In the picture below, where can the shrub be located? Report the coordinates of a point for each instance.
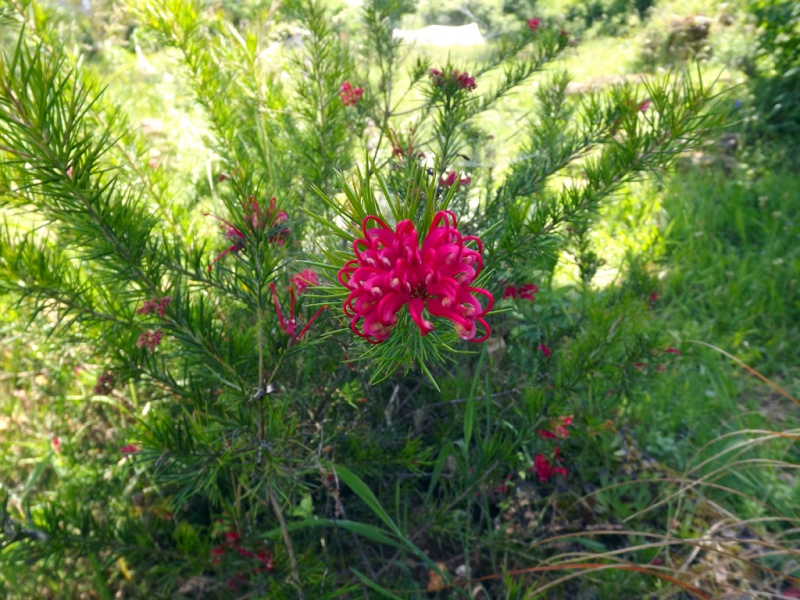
(339, 200)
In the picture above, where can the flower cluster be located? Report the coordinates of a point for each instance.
(304, 279)
(154, 305)
(232, 541)
(534, 24)
(461, 80)
(545, 350)
(523, 292)
(558, 429)
(544, 469)
(391, 270)
(129, 449)
(452, 177)
(290, 324)
(349, 95)
(151, 339)
(256, 217)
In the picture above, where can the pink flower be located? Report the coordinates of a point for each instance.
(644, 106)
(461, 80)
(151, 339)
(559, 427)
(544, 469)
(653, 297)
(398, 148)
(69, 172)
(528, 291)
(129, 449)
(672, 350)
(464, 81)
(533, 24)
(349, 95)
(391, 270)
(545, 350)
(231, 537)
(525, 292)
(56, 444)
(154, 305)
(289, 324)
(437, 77)
(256, 217)
(451, 178)
(304, 279)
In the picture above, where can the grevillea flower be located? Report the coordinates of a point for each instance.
(290, 324)
(524, 292)
(304, 279)
(559, 429)
(464, 81)
(392, 270)
(644, 106)
(461, 80)
(451, 178)
(56, 444)
(545, 350)
(349, 95)
(154, 305)
(544, 469)
(151, 339)
(129, 449)
(672, 350)
(256, 217)
(533, 24)
(437, 77)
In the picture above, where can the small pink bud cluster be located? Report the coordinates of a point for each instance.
(304, 279)
(154, 305)
(523, 292)
(545, 350)
(256, 217)
(391, 270)
(534, 24)
(350, 95)
(461, 80)
(452, 177)
(129, 449)
(151, 339)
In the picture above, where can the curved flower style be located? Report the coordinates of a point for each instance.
(391, 270)
(256, 217)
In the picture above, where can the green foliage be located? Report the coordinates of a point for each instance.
(778, 75)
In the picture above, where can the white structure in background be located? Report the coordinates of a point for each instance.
(442, 35)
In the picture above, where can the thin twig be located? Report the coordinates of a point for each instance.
(288, 541)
